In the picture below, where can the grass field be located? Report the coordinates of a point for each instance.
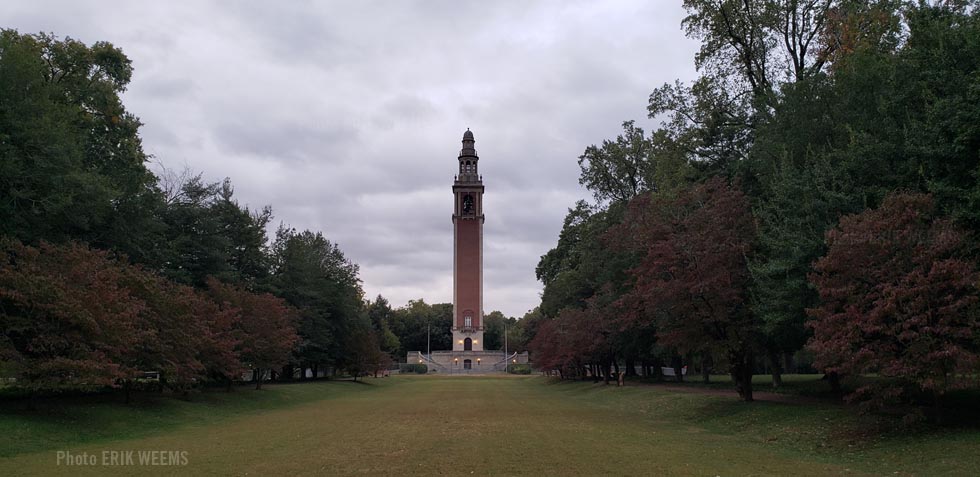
(426, 425)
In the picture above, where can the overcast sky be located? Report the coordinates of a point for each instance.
(346, 117)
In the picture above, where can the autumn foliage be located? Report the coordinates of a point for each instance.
(68, 320)
(690, 285)
(898, 298)
(265, 331)
(573, 341)
(78, 318)
(692, 280)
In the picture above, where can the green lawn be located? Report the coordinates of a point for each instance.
(427, 425)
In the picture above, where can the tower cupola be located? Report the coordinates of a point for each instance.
(468, 171)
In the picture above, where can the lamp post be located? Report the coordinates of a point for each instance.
(505, 339)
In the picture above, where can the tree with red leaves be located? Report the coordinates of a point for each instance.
(544, 345)
(175, 318)
(220, 349)
(692, 280)
(569, 344)
(66, 317)
(266, 328)
(77, 318)
(897, 298)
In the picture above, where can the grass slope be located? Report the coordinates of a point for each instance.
(425, 425)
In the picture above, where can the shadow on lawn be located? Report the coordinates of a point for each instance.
(806, 411)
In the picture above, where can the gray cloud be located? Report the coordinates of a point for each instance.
(346, 117)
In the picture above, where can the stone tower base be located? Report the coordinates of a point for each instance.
(455, 362)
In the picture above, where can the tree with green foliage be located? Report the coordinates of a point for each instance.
(361, 354)
(620, 169)
(71, 160)
(380, 313)
(418, 324)
(312, 274)
(196, 248)
(493, 330)
(245, 230)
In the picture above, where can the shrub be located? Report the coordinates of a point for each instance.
(417, 368)
(519, 368)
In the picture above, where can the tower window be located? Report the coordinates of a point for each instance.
(468, 321)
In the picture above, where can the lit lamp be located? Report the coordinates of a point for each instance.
(420, 361)
(475, 341)
(515, 360)
(477, 361)
(460, 341)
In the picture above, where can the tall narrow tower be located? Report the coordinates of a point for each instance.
(468, 251)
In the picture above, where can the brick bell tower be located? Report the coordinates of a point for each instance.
(468, 251)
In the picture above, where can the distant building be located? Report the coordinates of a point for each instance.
(467, 355)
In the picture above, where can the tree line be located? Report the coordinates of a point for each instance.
(420, 326)
(110, 272)
(809, 202)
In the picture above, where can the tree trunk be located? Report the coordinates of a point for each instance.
(834, 380)
(630, 367)
(259, 374)
(742, 375)
(678, 364)
(706, 368)
(606, 370)
(657, 367)
(127, 387)
(777, 371)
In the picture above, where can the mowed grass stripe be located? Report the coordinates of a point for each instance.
(426, 425)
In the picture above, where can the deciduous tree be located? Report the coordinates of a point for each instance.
(898, 298)
(67, 318)
(265, 328)
(693, 278)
